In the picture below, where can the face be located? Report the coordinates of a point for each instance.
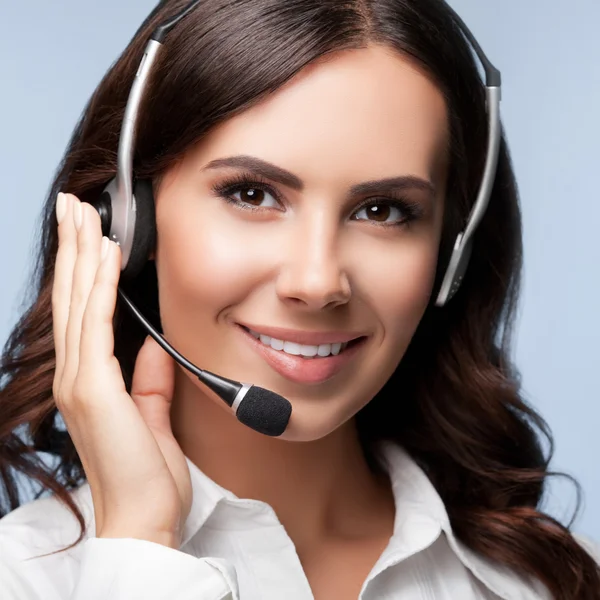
(318, 211)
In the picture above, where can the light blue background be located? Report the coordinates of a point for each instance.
(53, 54)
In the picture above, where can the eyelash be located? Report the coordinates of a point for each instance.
(244, 181)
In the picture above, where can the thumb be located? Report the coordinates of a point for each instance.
(152, 392)
(152, 386)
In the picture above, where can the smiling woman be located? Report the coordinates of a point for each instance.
(311, 164)
(344, 238)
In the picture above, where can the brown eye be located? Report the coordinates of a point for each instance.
(252, 195)
(378, 212)
(381, 211)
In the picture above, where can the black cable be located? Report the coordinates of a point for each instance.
(160, 340)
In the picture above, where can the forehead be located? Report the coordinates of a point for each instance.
(355, 114)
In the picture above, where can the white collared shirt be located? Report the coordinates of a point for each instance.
(236, 549)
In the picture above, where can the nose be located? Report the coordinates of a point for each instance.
(311, 277)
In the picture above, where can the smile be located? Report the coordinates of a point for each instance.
(304, 350)
(303, 363)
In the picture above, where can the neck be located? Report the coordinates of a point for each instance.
(317, 489)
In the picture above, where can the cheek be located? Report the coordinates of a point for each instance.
(201, 266)
(408, 292)
(400, 291)
(398, 284)
(397, 289)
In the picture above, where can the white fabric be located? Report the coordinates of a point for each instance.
(236, 549)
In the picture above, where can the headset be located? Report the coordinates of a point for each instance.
(126, 209)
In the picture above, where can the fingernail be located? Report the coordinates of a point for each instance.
(104, 248)
(77, 215)
(61, 207)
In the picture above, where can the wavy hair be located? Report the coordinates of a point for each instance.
(454, 402)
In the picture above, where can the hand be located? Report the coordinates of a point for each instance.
(138, 475)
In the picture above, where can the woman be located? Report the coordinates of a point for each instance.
(312, 163)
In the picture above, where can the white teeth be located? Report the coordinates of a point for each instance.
(292, 348)
(324, 349)
(306, 350)
(299, 349)
(276, 344)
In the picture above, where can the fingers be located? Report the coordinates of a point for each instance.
(83, 294)
(63, 276)
(96, 346)
(152, 386)
(89, 236)
(152, 391)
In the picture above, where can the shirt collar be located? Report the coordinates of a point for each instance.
(421, 516)
(414, 495)
(206, 495)
(420, 519)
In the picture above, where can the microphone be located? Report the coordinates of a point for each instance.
(258, 408)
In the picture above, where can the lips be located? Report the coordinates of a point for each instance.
(301, 370)
(304, 337)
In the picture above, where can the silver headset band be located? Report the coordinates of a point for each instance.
(124, 179)
(463, 244)
(121, 187)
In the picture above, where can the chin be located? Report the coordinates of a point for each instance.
(306, 426)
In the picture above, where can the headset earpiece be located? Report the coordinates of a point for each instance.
(455, 272)
(132, 226)
(144, 235)
(104, 208)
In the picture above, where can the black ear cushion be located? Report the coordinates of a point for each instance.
(144, 236)
(104, 207)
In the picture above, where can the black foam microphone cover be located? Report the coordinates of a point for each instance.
(264, 411)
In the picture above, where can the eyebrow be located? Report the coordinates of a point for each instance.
(275, 173)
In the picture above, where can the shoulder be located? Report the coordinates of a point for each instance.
(38, 528)
(44, 525)
(96, 568)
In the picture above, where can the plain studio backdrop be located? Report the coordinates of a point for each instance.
(53, 54)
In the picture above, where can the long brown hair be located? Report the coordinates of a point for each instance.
(454, 401)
